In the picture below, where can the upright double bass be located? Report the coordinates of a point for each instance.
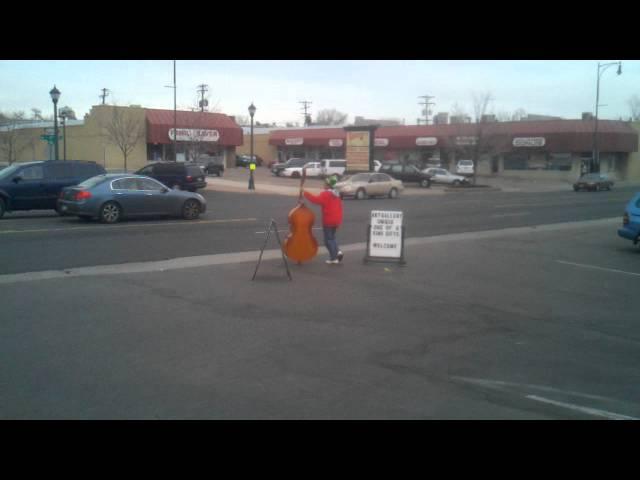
(300, 245)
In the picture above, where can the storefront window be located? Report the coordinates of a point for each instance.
(537, 161)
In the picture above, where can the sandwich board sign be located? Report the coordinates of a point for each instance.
(385, 237)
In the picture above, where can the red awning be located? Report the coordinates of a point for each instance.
(559, 135)
(160, 122)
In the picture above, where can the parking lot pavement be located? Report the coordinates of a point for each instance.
(237, 180)
(512, 324)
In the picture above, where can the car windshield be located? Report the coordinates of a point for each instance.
(8, 171)
(93, 181)
(358, 177)
(465, 163)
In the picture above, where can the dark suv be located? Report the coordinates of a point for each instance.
(406, 173)
(37, 185)
(178, 175)
(277, 168)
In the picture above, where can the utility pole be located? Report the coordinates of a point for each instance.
(426, 104)
(105, 92)
(202, 89)
(305, 106)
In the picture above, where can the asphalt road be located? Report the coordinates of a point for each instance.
(533, 323)
(235, 222)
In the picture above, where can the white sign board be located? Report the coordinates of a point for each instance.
(293, 141)
(385, 239)
(528, 142)
(336, 142)
(466, 140)
(381, 142)
(426, 141)
(194, 135)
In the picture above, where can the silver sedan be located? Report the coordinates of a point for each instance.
(112, 197)
(440, 175)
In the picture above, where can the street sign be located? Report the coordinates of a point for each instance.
(50, 139)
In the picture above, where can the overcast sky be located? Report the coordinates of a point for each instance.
(372, 88)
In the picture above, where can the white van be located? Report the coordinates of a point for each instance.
(333, 166)
(464, 167)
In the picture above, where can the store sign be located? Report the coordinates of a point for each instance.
(381, 142)
(194, 135)
(426, 141)
(337, 142)
(466, 140)
(293, 141)
(385, 239)
(528, 142)
(357, 151)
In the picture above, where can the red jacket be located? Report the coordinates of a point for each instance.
(331, 207)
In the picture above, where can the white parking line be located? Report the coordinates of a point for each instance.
(578, 408)
(598, 268)
(133, 225)
(517, 214)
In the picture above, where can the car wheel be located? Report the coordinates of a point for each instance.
(456, 183)
(60, 212)
(575, 189)
(425, 183)
(191, 210)
(110, 212)
(295, 175)
(361, 194)
(219, 173)
(3, 208)
(393, 193)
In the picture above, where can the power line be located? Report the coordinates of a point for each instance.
(307, 118)
(105, 92)
(202, 89)
(426, 105)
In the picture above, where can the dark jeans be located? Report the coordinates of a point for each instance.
(330, 241)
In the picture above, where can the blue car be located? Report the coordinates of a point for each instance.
(114, 196)
(631, 220)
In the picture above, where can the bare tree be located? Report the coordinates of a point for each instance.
(36, 114)
(243, 120)
(634, 105)
(330, 117)
(69, 113)
(13, 140)
(124, 131)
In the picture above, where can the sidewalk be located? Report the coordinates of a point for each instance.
(237, 180)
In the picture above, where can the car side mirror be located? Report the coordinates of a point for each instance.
(17, 179)
(164, 190)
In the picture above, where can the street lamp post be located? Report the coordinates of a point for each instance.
(55, 95)
(252, 111)
(595, 160)
(63, 116)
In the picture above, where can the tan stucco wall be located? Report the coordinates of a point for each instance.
(261, 147)
(88, 141)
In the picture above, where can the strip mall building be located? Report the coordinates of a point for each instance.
(211, 134)
(553, 149)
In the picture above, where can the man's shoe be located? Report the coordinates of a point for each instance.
(340, 256)
(333, 262)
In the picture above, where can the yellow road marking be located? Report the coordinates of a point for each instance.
(199, 222)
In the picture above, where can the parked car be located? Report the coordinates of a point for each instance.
(631, 220)
(333, 166)
(112, 197)
(176, 175)
(406, 173)
(245, 160)
(440, 175)
(464, 167)
(367, 185)
(593, 182)
(313, 169)
(37, 185)
(292, 162)
(210, 165)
